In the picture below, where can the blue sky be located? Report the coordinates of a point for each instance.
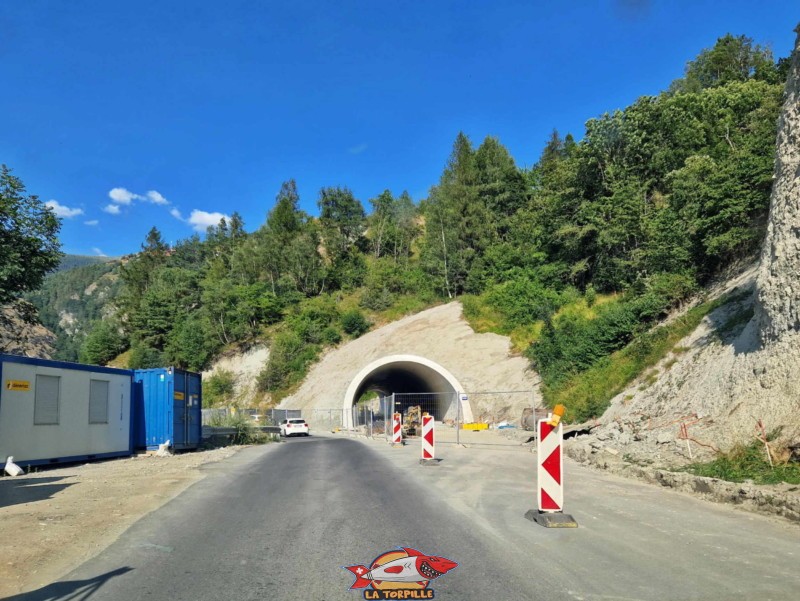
(134, 114)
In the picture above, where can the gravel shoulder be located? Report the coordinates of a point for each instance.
(55, 519)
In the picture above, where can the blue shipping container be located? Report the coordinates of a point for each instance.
(167, 407)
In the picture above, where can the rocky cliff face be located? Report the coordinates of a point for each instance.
(778, 306)
(21, 334)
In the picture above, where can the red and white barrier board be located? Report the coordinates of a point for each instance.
(428, 437)
(550, 475)
(397, 433)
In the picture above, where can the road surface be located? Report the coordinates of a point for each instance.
(279, 522)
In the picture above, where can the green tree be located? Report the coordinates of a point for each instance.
(501, 186)
(545, 230)
(392, 225)
(286, 219)
(458, 225)
(732, 58)
(29, 246)
(219, 304)
(144, 357)
(343, 221)
(236, 227)
(138, 272)
(103, 343)
(289, 357)
(381, 222)
(171, 295)
(191, 344)
(285, 251)
(189, 253)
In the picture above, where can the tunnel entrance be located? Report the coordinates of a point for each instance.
(410, 374)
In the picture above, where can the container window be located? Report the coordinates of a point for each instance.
(98, 402)
(45, 404)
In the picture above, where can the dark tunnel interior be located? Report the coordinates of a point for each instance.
(433, 392)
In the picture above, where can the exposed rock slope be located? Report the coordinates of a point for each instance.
(245, 367)
(735, 372)
(21, 334)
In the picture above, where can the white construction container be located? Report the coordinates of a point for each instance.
(54, 412)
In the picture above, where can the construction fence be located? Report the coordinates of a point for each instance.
(452, 410)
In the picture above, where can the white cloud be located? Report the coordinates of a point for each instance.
(112, 209)
(62, 210)
(176, 214)
(98, 252)
(121, 196)
(156, 198)
(358, 149)
(91, 222)
(200, 220)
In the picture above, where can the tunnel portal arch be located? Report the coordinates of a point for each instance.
(408, 373)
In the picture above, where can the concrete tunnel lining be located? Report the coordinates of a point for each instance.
(407, 373)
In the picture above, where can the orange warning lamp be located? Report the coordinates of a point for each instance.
(558, 413)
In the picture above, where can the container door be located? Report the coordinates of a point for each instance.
(194, 409)
(179, 410)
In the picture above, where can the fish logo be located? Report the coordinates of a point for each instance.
(403, 574)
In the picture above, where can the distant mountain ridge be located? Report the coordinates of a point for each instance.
(75, 261)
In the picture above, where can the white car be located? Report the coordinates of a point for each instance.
(294, 427)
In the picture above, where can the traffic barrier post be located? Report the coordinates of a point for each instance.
(428, 440)
(397, 431)
(550, 474)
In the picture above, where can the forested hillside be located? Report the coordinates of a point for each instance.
(576, 256)
(73, 300)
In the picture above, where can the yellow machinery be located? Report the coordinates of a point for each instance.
(412, 420)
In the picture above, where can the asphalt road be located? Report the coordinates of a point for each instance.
(280, 521)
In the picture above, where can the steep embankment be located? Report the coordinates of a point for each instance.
(480, 362)
(740, 367)
(245, 367)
